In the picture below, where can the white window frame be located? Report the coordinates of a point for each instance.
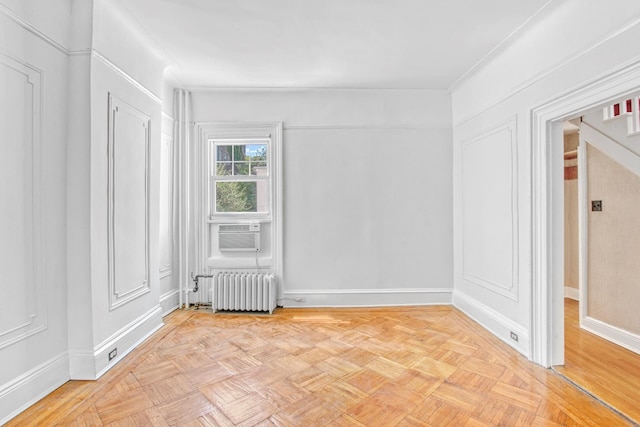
(213, 178)
(205, 132)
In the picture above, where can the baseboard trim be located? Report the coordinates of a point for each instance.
(495, 322)
(572, 293)
(26, 389)
(127, 339)
(618, 336)
(87, 365)
(366, 297)
(170, 301)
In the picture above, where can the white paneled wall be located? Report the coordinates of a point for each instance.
(490, 210)
(534, 78)
(80, 184)
(33, 328)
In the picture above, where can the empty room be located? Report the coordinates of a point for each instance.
(298, 213)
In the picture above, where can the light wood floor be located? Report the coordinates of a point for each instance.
(427, 366)
(606, 370)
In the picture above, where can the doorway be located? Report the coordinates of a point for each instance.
(604, 369)
(547, 322)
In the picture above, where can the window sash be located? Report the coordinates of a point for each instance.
(265, 178)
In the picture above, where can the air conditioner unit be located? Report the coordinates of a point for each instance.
(239, 237)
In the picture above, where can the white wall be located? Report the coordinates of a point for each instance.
(167, 258)
(367, 190)
(58, 72)
(118, 203)
(33, 84)
(568, 45)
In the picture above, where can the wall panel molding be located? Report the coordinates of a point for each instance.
(22, 232)
(128, 202)
(489, 167)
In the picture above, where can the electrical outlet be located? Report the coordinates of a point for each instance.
(113, 353)
(596, 205)
(514, 336)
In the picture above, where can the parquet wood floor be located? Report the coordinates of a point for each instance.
(409, 366)
(606, 370)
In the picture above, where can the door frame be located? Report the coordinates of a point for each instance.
(547, 299)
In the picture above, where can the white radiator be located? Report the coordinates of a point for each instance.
(243, 292)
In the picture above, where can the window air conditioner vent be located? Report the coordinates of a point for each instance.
(239, 237)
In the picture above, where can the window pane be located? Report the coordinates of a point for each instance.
(241, 168)
(234, 196)
(223, 169)
(257, 152)
(239, 153)
(223, 153)
(259, 168)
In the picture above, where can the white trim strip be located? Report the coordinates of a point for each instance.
(33, 30)
(366, 297)
(127, 329)
(544, 74)
(494, 321)
(106, 61)
(36, 383)
(616, 335)
(571, 293)
(364, 127)
(32, 374)
(500, 45)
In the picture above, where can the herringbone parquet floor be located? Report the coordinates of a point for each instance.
(419, 366)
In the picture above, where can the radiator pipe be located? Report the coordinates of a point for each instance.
(198, 277)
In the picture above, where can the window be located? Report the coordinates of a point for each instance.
(239, 183)
(240, 173)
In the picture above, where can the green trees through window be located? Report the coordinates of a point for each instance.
(241, 178)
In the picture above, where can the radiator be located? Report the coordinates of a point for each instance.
(243, 292)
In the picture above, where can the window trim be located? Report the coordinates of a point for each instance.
(198, 153)
(212, 143)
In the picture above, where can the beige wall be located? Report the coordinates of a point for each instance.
(571, 218)
(614, 239)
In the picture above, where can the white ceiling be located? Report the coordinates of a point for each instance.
(426, 44)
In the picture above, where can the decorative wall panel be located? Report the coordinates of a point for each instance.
(22, 292)
(128, 202)
(489, 210)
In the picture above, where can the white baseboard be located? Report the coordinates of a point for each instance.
(366, 297)
(623, 338)
(495, 322)
(170, 301)
(87, 365)
(82, 365)
(572, 293)
(26, 389)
